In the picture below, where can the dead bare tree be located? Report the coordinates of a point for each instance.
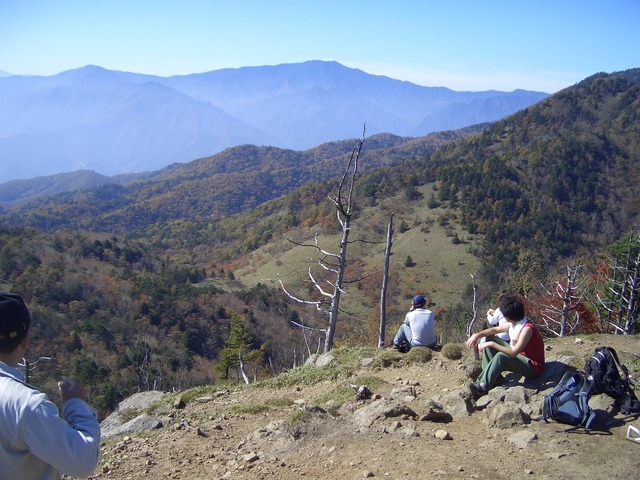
(385, 281)
(620, 301)
(559, 312)
(335, 263)
(472, 323)
(29, 366)
(241, 369)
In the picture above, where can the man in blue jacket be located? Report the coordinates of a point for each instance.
(35, 441)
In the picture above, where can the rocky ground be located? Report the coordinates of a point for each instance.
(420, 422)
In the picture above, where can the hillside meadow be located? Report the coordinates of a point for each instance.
(442, 266)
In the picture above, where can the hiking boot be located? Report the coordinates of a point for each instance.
(477, 390)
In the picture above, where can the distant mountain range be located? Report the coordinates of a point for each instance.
(117, 122)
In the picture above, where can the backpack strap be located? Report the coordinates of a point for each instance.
(629, 404)
(590, 418)
(622, 368)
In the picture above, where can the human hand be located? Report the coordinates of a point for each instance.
(484, 345)
(472, 341)
(70, 388)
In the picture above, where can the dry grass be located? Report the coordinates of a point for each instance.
(441, 268)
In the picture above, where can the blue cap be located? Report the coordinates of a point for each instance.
(419, 300)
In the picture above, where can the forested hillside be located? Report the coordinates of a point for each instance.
(143, 285)
(233, 181)
(557, 178)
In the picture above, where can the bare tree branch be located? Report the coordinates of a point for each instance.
(317, 304)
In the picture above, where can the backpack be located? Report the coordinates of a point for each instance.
(609, 376)
(568, 402)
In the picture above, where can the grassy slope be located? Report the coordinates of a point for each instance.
(442, 268)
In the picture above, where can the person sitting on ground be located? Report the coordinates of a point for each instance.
(35, 442)
(524, 355)
(418, 328)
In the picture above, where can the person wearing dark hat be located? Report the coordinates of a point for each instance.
(418, 328)
(35, 441)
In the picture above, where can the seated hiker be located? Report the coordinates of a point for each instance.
(418, 328)
(524, 354)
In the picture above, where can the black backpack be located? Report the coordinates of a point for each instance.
(568, 402)
(611, 377)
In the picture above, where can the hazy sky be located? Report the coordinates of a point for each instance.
(543, 45)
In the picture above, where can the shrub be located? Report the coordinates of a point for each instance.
(419, 355)
(452, 351)
(386, 359)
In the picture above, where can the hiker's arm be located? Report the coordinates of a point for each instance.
(487, 332)
(513, 352)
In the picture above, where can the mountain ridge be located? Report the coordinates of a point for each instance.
(121, 122)
(261, 164)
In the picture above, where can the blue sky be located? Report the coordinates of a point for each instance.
(543, 45)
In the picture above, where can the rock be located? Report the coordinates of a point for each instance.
(136, 403)
(603, 403)
(432, 411)
(251, 457)
(409, 431)
(205, 399)
(507, 415)
(443, 435)
(379, 409)
(406, 393)
(141, 422)
(457, 402)
(522, 438)
(314, 409)
(311, 361)
(554, 368)
(367, 362)
(472, 371)
(325, 359)
(362, 392)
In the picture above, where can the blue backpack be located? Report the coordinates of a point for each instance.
(568, 402)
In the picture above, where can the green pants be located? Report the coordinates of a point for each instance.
(494, 363)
